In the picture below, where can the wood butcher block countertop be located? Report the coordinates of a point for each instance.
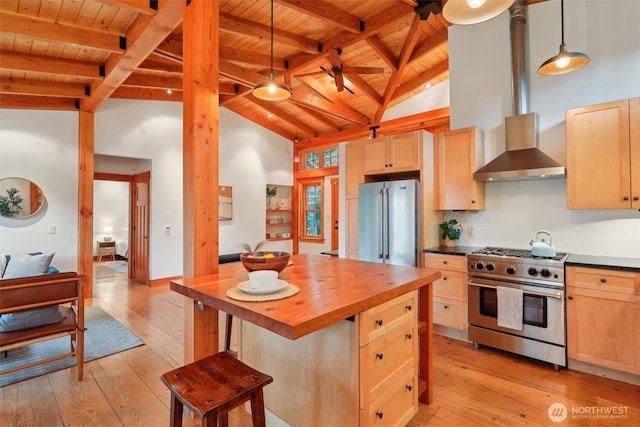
(331, 290)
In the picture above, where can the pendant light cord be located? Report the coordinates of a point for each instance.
(561, 19)
(272, 75)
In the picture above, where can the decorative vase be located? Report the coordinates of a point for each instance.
(450, 243)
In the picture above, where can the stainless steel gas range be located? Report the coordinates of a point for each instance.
(517, 303)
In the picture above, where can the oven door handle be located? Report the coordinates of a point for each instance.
(558, 295)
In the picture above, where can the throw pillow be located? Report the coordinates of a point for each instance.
(25, 265)
(3, 264)
(30, 318)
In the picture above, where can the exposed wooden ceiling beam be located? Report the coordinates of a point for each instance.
(58, 32)
(383, 51)
(43, 88)
(424, 78)
(403, 61)
(37, 102)
(247, 57)
(336, 109)
(140, 6)
(318, 116)
(240, 74)
(244, 27)
(159, 82)
(433, 42)
(49, 65)
(325, 12)
(161, 65)
(148, 93)
(263, 121)
(273, 108)
(361, 84)
(143, 37)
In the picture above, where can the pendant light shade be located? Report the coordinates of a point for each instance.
(466, 12)
(564, 61)
(271, 90)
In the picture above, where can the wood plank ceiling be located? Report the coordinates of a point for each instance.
(71, 54)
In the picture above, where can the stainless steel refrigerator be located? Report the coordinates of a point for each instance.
(389, 222)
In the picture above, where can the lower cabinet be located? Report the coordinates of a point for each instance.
(603, 317)
(388, 362)
(450, 291)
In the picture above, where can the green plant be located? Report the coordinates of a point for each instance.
(271, 192)
(10, 204)
(451, 229)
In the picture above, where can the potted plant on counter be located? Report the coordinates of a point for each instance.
(451, 231)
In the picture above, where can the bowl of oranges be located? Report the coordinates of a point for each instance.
(265, 260)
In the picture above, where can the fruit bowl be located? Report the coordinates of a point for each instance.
(265, 260)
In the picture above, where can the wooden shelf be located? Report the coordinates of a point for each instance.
(278, 210)
(280, 223)
(278, 238)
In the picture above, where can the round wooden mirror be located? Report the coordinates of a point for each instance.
(20, 198)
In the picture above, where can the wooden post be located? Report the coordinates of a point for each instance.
(200, 164)
(85, 199)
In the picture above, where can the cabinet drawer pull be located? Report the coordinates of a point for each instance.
(379, 356)
(379, 414)
(408, 387)
(409, 336)
(444, 278)
(379, 322)
(473, 201)
(636, 198)
(570, 297)
(444, 262)
(446, 307)
(603, 280)
(408, 307)
(625, 198)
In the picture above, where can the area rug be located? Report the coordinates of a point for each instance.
(122, 266)
(104, 336)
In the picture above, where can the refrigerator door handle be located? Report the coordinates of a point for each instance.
(381, 231)
(385, 222)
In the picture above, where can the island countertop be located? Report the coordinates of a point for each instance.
(331, 290)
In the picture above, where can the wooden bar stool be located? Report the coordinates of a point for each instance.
(212, 386)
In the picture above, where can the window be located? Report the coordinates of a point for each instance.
(320, 158)
(311, 195)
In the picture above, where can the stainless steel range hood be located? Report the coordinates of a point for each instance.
(522, 158)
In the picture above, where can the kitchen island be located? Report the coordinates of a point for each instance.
(320, 344)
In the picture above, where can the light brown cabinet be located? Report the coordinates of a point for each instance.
(603, 156)
(603, 317)
(394, 153)
(389, 355)
(351, 227)
(450, 291)
(354, 168)
(457, 155)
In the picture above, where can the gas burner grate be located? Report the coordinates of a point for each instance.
(516, 253)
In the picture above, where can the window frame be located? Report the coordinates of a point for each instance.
(320, 151)
(302, 232)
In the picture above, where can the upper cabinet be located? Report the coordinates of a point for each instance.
(603, 156)
(394, 153)
(457, 155)
(354, 172)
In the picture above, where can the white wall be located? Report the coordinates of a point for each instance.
(42, 146)
(480, 90)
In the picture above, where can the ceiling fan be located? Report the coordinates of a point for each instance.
(338, 70)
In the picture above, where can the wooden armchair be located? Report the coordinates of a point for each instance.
(26, 293)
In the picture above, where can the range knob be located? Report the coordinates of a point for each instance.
(545, 273)
(490, 266)
(479, 266)
(532, 271)
(510, 270)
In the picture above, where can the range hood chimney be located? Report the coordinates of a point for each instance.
(522, 158)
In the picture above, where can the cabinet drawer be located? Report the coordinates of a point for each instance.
(380, 319)
(452, 285)
(447, 262)
(604, 280)
(396, 406)
(448, 312)
(384, 358)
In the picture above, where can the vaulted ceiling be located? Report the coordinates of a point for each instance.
(75, 54)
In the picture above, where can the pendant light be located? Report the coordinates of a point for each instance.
(563, 62)
(466, 12)
(271, 90)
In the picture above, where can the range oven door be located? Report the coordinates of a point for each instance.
(543, 310)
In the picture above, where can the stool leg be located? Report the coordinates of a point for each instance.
(257, 409)
(224, 420)
(227, 333)
(211, 420)
(176, 412)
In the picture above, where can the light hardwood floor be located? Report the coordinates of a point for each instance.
(471, 387)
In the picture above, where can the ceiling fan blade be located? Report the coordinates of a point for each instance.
(363, 70)
(313, 73)
(334, 58)
(339, 82)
